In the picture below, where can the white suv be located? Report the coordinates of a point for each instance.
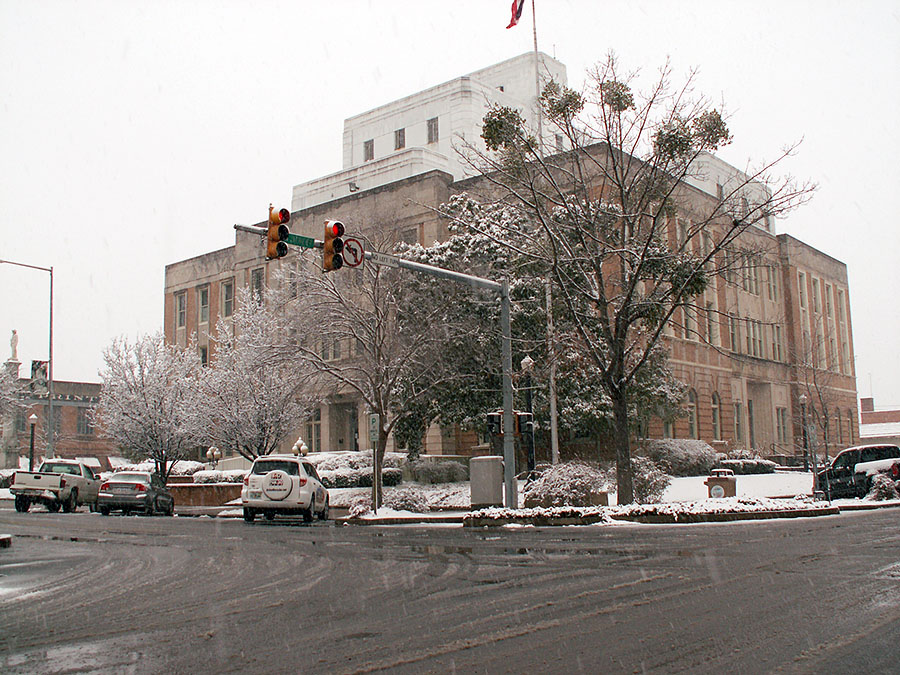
(283, 484)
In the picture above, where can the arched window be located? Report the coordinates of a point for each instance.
(716, 417)
(693, 426)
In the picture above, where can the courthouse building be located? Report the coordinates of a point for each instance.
(785, 311)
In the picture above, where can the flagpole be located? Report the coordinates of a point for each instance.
(537, 82)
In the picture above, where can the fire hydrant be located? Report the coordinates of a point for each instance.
(722, 483)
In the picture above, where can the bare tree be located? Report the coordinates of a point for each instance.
(349, 330)
(251, 396)
(624, 238)
(149, 389)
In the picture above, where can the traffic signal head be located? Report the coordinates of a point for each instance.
(333, 246)
(278, 232)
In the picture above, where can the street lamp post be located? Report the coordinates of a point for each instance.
(51, 428)
(32, 420)
(527, 365)
(214, 455)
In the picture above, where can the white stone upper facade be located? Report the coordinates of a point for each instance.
(430, 126)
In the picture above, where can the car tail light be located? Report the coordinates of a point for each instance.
(62, 482)
(140, 487)
(247, 479)
(105, 486)
(302, 481)
(895, 471)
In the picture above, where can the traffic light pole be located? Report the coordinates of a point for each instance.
(510, 491)
(511, 500)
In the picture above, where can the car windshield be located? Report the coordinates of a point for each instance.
(131, 478)
(72, 469)
(262, 468)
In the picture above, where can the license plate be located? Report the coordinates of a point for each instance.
(121, 489)
(255, 494)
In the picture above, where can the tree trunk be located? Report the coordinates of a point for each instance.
(377, 485)
(625, 486)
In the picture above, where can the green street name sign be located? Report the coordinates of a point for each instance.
(304, 242)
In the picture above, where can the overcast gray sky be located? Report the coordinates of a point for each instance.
(135, 134)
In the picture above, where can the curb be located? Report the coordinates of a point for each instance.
(655, 518)
(442, 518)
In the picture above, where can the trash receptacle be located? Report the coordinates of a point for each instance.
(486, 481)
(722, 483)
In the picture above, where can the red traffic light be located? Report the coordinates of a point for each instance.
(279, 217)
(277, 233)
(333, 246)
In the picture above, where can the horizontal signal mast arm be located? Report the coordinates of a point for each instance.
(292, 238)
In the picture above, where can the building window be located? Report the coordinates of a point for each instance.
(203, 304)
(733, 324)
(693, 426)
(560, 143)
(815, 296)
(840, 427)
(399, 139)
(336, 350)
(850, 427)
(716, 417)
(738, 422)
(180, 309)
(801, 281)
(711, 334)
(314, 432)
(204, 355)
(368, 150)
(776, 343)
(781, 425)
(228, 298)
(433, 132)
(256, 283)
(773, 283)
(668, 429)
(85, 426)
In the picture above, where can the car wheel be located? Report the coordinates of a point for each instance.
(71, 504)
(323, 514)
(23, 503)
(92, 507)
(53, 507)
(171, 510)
(249, 515)
(269, 515)
(310, 512)
(104, 510)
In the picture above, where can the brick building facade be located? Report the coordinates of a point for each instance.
(765, 344)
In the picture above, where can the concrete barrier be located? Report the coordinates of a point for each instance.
(204, 494)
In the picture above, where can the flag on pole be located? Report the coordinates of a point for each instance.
(517, 7)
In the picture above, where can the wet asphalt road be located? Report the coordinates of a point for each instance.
(86, 593)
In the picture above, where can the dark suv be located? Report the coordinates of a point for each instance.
(850, 473)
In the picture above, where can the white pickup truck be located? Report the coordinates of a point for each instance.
(58, 483)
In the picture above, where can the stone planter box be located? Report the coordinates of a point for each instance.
(204, 494)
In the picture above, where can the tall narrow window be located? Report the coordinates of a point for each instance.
(204, 356)
(85, 425)
(256, 283)
(693, 426)
(781, 424)
(399, 139)
(180, 310)
(711, 334)
(716, 417)
(738, 422)
(228, 298)
(368, 150)
(203, 304)
(433, 131)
